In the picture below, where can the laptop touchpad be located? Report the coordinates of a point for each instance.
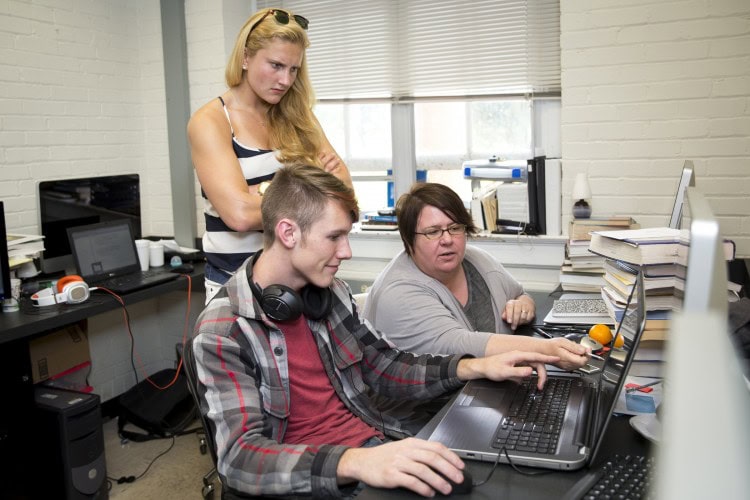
(483, 397)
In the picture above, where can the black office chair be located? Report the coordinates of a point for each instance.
(207, 440)
(191, 374)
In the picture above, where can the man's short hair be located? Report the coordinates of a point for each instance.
(300, 193)
(440, 196)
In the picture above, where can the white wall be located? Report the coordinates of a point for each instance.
(212, 26)
(82, 93)
(646, 84)
(156, 327)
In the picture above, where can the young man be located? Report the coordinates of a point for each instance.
(285, 361)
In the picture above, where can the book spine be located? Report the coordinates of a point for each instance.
(391, 219)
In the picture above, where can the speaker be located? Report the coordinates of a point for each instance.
(281, 303)
(70, 461)
(70, 289)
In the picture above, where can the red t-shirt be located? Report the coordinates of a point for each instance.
(317, 414)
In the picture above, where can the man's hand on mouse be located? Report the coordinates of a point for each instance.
(411, 463)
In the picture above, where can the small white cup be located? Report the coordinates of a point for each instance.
(156, 254)
(15, 288)
(143, 250)
(10, 305)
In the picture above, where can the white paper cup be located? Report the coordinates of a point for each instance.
(156, 254)
(143, 250)
(15, 288)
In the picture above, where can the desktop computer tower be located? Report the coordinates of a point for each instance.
(69, 456)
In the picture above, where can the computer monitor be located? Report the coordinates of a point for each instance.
(4, 267)
(705, 443)
(686, 179)
(67, 203)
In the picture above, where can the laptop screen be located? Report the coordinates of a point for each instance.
(105, 249)
(617, 363)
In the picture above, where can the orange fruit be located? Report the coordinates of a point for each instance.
(619, 340)
(601, 333)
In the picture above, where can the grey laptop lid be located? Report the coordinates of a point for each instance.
(617, 364)
(104, 250)
(470, 424)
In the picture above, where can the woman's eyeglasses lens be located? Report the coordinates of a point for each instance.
(453, 230)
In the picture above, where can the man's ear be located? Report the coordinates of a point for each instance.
(285, 232)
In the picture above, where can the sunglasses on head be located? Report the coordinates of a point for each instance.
(282, 17)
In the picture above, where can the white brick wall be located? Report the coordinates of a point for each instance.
(647, 84)
(82, 93)
(211, 31)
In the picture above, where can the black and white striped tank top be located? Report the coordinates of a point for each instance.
(226, 249)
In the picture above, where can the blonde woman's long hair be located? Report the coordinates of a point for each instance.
(292, 125)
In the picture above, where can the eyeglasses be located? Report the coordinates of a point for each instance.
(436, 232)
(282, 17)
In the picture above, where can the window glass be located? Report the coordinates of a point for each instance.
(331, 118)
(501, 128)
(360, 133)
(372, 194)
(447, 133)
(440, 128)
(370, 128)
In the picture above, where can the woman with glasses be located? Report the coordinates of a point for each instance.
(263, 121)
(441, 296)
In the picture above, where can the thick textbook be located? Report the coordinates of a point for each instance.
(643, 246)
(623, 281)
(581, 229)
(655, 245)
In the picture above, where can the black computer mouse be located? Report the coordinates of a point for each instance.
(463, 487)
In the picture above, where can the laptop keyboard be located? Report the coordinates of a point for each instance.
(135, 279)
(535, 417)
(622, 476)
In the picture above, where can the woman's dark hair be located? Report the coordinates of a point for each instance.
(410, 205)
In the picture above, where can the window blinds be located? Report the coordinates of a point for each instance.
(404, 49)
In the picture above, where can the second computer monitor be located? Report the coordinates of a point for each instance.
(686, 179)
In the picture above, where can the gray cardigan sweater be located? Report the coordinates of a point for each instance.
(419, 314)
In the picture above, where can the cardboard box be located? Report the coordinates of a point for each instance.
(58, 352)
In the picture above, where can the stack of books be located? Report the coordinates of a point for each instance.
(654, 245)
(581, 229)
(23, 248)
(377, 222)
(582, 270)
(484, 208)
(661, 253)
(664, 289)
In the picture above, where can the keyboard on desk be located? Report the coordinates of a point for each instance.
(622, 476)
(535, 418)
(135, 281)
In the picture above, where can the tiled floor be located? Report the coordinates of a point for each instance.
(178, 474)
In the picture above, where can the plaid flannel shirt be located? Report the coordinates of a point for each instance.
(243, 371)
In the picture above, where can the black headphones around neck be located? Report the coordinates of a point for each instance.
(281, 303)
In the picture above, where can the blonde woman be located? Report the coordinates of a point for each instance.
(263, 121)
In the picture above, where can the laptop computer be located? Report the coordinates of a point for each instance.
(105, 256)
(484, 420)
